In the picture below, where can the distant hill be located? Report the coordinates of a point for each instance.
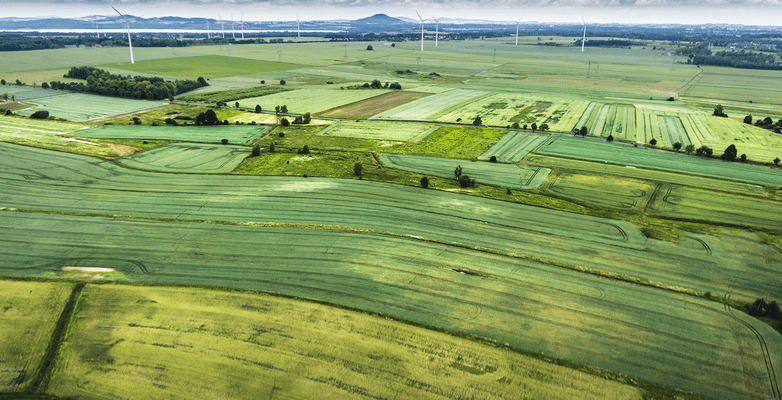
(380, 22)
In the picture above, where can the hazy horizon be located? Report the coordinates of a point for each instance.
(745, 12)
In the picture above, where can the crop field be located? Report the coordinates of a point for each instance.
(312, 100)
(744, 85)
(506, 108)
(430, 107)
(695, 204)
(82, 107)
(209, 344)
(50, 135)
(189, 158)
(367, 108)
(394, 131)
(686, 342)
(190, 133)
(514, 146)
(622, 171)
(207, 66)
(614, 153)
(602, 191)
(483, 172)
(30, 313)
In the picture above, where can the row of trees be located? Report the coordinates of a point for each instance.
(101, 82)
(700, 55)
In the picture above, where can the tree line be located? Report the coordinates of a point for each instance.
(604, 43)
(101, 82)
(700, 55)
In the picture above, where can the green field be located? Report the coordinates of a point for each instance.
(209, 66)
(87, 107)
(600, 151)
(398, 132)
(427, 108)
(602, 191)
(514, 146)
(29, 315)
(483, 172)
(208, 341)
(190, 133)
(189, 158)
(312, 100)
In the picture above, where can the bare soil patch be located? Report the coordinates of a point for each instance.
(369, 107)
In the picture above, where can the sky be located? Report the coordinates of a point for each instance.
(744, 12)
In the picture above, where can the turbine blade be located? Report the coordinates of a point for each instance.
(120, 14)
(419, 16)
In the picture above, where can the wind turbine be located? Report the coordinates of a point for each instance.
(241, 20)
(583, 40)
(233, 27)
(127, 28)
(517, 33)
(422, 30)
(208, 32)
(222, 26)
(436, 30)
(298, 27)
(95, 18)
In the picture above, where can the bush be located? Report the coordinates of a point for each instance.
(477, 121)
(583, 131)
(370, 47)
(357, 169)
(395, 86)
(543, 127)
(515, 125)
(534, 127)
(284, 122)
(281, 134)
(653, 142)
(610, 138)
(263, 82)
(271, 148)
(730, 153)
(493, 159)
(743, 158)
(282, 81)
(689, 149)
(704, 151)
(258, 108)
(748, 119)
(677, 146)
(8, 112)
(305, 149)
(136, 121)
(224, 141)
(670, 99)
(256, 150)
(40, 114)
(424, 182)
(776, 161)
(465, 181)
(171, 121)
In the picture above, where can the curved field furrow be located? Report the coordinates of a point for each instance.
(660, 336)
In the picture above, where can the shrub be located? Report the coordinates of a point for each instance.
(534, 127)
(583, 131)
(515, 125)
(281, 134)
(730, 153)
(305, 149)
(357, 169)
(395, 86)
(543, 127)
(8, 112)
(258, 108)
(224, 141)
(677, 146)
(493, 159)
(465, 181)
(284, 122)
(171, 121)
(748, 119)
(271, 148)
(689, 149)
(743, 158)
(477, 121)
(653, 142)
(256, 150)
(282, 81)
(424, 182)
(263, 82)
(40, 114)
(776, 161)
(610, 138)
(370, 47)
(670, 99)
(136, 121)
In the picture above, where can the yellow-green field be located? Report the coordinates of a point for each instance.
(158, 342)
(28, 315)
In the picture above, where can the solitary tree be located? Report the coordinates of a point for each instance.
(271, 148)
(237, 104)
(256, 150)
(477, 121)
(610, 138)
(224, 141)
(258, 108)
(305, 149)
(282, 81)
(689, 149)
(357, 168)
(284, 122)
(730, 153)
(306, 118)
(424, 182)
(458, 172)
(534, 127)
(653, 142)
(677, 146)
(583, 131)
(776, 161)
(136, 121)
(718, 111)
(748, 119)
(743, 158)
(370, 47)
(493, 159)
(2, 81)
(284, 109)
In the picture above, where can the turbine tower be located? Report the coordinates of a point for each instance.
(127, 29)
(517, 33)
(233, 27)
(298, 27)
(583, 39)
(208, 35)
(241, 20)
(222, 26)
(95, 18)
(422, 30)
(436, 30)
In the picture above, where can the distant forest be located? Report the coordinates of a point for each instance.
(702, 55)
(605, 43)
(21, 43)
(137, 87)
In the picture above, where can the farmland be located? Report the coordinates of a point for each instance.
(483, 172)
(603, 256)
(290, 348)
(191, 133)
(594, 150)
(188, 158)
(379, 131)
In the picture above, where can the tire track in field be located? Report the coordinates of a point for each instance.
(763, 347)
